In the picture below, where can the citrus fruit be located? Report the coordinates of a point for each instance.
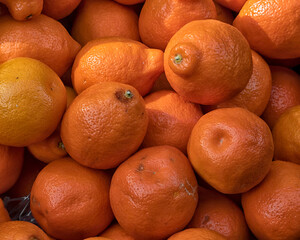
(272, 208)
(70, 201)
(231, 149)
(4, 216)
(208, 61)
(117, 59)
(153, 194)
(197, 234)
(104, 125)
(32, 101)
(58, 9)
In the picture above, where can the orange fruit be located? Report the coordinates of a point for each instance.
(4, 216)
(24, 10)
(32, 101)
(48, 149)
(218, 213)
(104, 18)
(289, 62)
(272, 28)
(231, 149)
(272, 209)
(51, 43)
(21, 230)
(70, 201)
(208, 61)
(3, 9)
(116, 232)
(234, 5)
(11, 162)
(197, 234)
(160, 20)
(223, 14)
(171, 119)
(30, 169)
(286, 136)
(119, 60)
(255, 96)
(153, 194)
(58, 9)
(104, 125)
(285, 93)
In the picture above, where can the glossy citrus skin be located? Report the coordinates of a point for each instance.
(271, 27)
(160, 20)
(286, 136)
(51, 43)
(23, 10)
(32, 101)
(11, 162)
(59, 9)
(68, 198)
(231, 149)
(255, 96)
(285, 93)
(196, 234)
(104, 125)
(272, 208)
(153, 194)
(117, 59)
(104, 18)
(218, 213)
(21, 230)
(97, 238)
(234, 5)
(30, 169)
(116, 232)
(171, 119)
(208, 61)
(4, 216)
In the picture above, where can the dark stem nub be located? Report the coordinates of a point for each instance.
(177, 58)
(29, 16)
(128, 94)
(61, 145)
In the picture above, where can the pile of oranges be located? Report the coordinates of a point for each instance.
(150, 119)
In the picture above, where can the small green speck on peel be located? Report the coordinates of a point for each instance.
(177, 58)
(128, 94)
(61, 145)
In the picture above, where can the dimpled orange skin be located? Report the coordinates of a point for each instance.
(104, 125)
(21, 230)
(272, 28)
(116, 232)
(255, 96)
(70, 201)
(197, 234)
(104, 18)
(285, 93)
(117, 59)
(37, 101)
(208, 61)
(159, 20)
(22, 10)
(272, 209)
(129, 2)
(41, 38)
(11, 162)
(218, 213)
(4, 216)
(231, 149)
(171, 119)
(58, 9)
(286, 136)
(224, 14)
(153, 193)
(97, 238)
